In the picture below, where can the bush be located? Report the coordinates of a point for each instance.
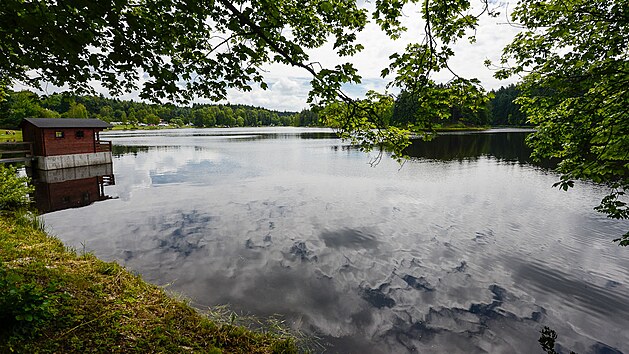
(25, 305)
(14, 189)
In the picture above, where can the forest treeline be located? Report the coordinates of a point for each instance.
(500, 110)
(25, 104)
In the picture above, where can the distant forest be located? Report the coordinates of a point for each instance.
(24, 104)
(499, 111)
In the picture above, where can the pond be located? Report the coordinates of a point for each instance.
(464, 248)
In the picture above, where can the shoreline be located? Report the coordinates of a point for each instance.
(58, 300)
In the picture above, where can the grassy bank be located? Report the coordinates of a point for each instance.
(55, 300)
(142, 127)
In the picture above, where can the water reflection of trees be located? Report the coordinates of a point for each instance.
(451, 147)
(504, 146)
(119, 150)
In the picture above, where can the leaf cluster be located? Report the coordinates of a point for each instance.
(175, 50)
(413, 70)
(14, 190)
(547, 340)
(25, 305)
(365, 124)
(575, 90)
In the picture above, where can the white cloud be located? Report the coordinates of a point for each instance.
(285, 93)
(285, 85)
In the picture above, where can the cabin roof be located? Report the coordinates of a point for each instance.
(66, 123)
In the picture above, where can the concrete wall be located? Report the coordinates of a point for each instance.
(69, 161)
(68, 174)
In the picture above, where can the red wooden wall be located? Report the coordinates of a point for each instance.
(69, 194)
(69, 144)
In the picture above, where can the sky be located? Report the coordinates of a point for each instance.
(288, 86)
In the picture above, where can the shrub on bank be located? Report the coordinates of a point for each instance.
(14, 190)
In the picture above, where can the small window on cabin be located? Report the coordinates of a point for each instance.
(58, 134)
(79, 134)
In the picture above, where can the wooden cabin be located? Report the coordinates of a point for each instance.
(66, 142)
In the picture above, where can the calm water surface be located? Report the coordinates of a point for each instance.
(466, 248)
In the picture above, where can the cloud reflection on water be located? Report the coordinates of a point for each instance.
(371, 260)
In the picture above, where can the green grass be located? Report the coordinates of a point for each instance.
(10, 135)
(55, 300)
(148, 127)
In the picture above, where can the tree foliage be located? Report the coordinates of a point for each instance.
(184, 49)
(471, 108)
(575, 60)
(14, 190)
(20, 105)
(24, 104)
(503, 108)
(547, 340)
(355, 122)
(76, 110)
